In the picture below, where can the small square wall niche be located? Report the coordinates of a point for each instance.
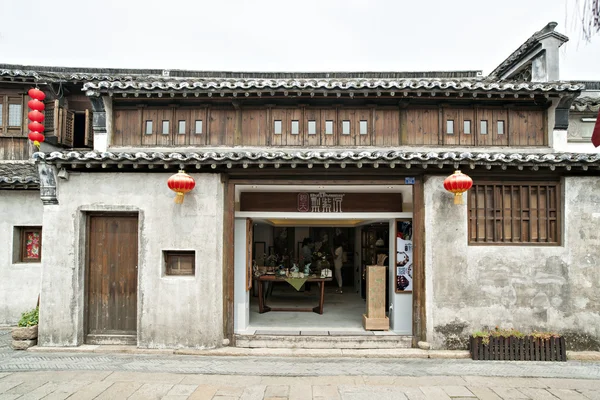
(180, 262)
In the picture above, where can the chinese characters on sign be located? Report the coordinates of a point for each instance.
(320, 202)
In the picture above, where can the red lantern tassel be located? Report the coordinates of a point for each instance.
(458, 198)
(179, 198)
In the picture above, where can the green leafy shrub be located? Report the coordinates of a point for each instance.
(30, 318)
(505, 333)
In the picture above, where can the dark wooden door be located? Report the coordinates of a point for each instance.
(112, 275)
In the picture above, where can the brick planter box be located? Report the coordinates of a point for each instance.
(513, 348)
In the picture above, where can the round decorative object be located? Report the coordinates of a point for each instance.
(35, 127)
(181, 183)
(36, 116)
(36, 138)
(37, 94)
(36, 105)
(458, 183)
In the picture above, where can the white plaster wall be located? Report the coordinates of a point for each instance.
(19, 282)
(525, 287)
(172, 311)
(241, 295)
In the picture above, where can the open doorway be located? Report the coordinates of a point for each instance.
(275, 239)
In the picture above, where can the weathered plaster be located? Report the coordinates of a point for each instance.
(19, 282)
(525, 287)
(172, 311)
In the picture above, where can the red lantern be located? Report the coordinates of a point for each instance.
(37, 94)
(35, 127)
(458, 183)
(36, 116)
(181, 183)
(36, 105)
(36, 138)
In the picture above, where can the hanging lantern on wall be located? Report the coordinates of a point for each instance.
(36, 126)
(181, 183)
(458, 183)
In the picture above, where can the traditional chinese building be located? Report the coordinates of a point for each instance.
(356, 160)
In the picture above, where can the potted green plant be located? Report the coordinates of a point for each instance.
(510, 344)
(26, 333)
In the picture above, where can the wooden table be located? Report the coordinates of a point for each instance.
(263, 308)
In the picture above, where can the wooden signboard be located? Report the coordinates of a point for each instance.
(320, 202)
(375, 319)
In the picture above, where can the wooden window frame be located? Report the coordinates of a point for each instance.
(329, 123)
(165, 124)
(295, 127)
(149, 124)
(346, 123)
(181, 124)
(312, 127)
(517, 216)
(277, 123)
(169, 254)
(484, 123)
(21, 246)
(363, 123)
(449, 127)
(467, 122)
(196, 130)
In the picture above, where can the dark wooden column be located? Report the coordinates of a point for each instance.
(228, 259)
(419, 310)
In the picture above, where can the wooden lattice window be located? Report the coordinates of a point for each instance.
(180, 262)
(515, 213)
(28, 244)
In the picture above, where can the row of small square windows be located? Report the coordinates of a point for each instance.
(181, 127)
(483, 127)
(312, 127)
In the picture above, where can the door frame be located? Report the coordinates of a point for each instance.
(87, 215)
(229, 209)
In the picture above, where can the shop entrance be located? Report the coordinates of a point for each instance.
(304, 272)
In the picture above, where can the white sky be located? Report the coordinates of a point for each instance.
(280, 35)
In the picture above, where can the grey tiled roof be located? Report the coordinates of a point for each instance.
(230, 157)
(151, 83)
(586, 104)
(18, 174)
(525, 48)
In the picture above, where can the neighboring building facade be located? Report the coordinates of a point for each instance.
(522, 252)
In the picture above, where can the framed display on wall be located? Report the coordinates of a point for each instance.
(404, 257)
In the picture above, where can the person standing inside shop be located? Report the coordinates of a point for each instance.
(307, 254)
(338, 262)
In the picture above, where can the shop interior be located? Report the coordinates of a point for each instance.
(297, 245)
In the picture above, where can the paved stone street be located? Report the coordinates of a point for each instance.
(35, 375)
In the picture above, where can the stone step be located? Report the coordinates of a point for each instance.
(307, 341)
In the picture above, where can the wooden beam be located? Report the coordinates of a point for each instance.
(419, 305)
(228, 259)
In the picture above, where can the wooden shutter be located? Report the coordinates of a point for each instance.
(88, 139)
(249, 241)
(51, 118)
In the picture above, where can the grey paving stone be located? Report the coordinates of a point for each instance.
(577, 384)
(230, 391)
(277, 391)
(300, 391)
(329, 392)
(537, 393)
(92, 390)
(484, 393)
(314, 333)
(457, 391)
(175, 397)
(204, 392)
(9, 396)
(277, 333)
(5, 386)
(255, 392)
(591, 394)
(66, 389)
(567, 394)
(149, 391)
(3, 374)
(350, 333)
(434, 393)
(509, 393)
(27, 386)
(182, 390)
(119, 390)
(41, 392)
(413, 393)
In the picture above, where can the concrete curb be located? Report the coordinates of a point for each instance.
(284, 352)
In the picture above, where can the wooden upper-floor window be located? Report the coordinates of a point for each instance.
(12, 114)
(515, 213)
